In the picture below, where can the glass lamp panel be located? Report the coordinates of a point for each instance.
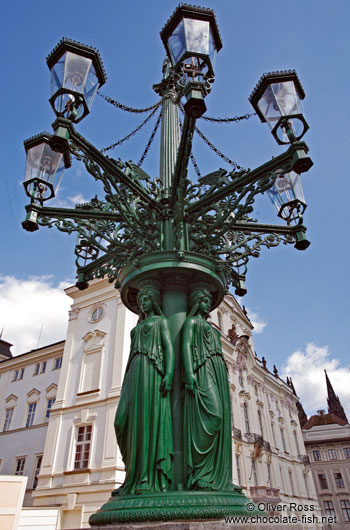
(287, 188)
(75, 72)
(212, 49)
(269, 107)
(197, 36)
(91, 86)
(177, 43)
(286, 98)
(57, 75)
(44, 164)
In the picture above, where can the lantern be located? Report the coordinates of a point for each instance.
(76, 74)
(277, 99)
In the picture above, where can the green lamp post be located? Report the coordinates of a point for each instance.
(172, 247)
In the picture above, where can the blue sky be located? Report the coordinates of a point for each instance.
(298, 299)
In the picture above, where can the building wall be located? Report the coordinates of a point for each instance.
(328, 447)
(95, 354)
(84, 400)
(16, 439)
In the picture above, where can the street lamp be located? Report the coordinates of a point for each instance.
(277, 100)
(171, 233)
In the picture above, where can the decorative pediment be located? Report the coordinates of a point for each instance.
(11, 400)
(51, 390)
(33, 395)
(94, 340)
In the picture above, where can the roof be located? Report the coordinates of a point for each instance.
(323, 419)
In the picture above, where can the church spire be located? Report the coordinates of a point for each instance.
(334, 405)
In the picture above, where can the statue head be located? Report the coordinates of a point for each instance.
(198, 293)
(152, 289)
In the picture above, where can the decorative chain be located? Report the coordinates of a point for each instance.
(125, 107)
(193, 160)
(144, 154)
(229, 120)
(195, 165)
(112, 146)
(218, 152)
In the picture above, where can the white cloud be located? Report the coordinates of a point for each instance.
(256, 320)
(69, 202)
(306, 368)
(26, 305)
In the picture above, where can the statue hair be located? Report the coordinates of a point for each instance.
(195, 299)
(154, 295)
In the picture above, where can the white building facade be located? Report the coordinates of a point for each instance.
(81, 463)
(28, 386)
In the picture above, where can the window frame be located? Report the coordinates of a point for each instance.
(80, 456)
(37, 468)
(318, 452)
(332, 454)
(20, 462)
(49, 402)
(329, 510)
(57, 360)
(345, 508)
(322, 479)
(6, 427)
(338, 479)
(31, 413)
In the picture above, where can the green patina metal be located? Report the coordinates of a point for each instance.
(172, 247)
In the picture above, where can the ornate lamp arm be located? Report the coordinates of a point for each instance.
(295, 158)
(67, 138)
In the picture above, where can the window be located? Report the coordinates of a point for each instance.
(338, 480)
(317, 455)
(246, 417)
(346, 452)
(329, 508)
(238, 465)
(220, 321)
(57, 363)
(37, 470)
(332, 454)
(269, 476)
(18, 374)
(260, 424)
(291, 482)
(273, 434)
(296, 442)
(283, 440)
(20, 463)
(40, 368)
(31, 414)
(345, 506)
(8, 418)
(96, 314)
(255, 474)
(306, 485)
(323, 481)
(50, 402)
(82, 451)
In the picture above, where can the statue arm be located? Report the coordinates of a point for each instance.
(169, 357)
(187, 343)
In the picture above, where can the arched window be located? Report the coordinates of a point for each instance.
(260, 423)
(246, 417)
(220, 319)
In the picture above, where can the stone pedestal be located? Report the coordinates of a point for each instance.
(197, 525)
